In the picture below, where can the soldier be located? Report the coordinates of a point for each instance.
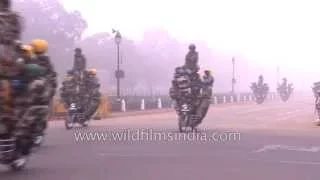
(49, 78)
(207, 81)
(80, 62)
(10, 33)
(40, 48)
(10, 24)
(93, 95)
(192, 57)
(68, 92)
(284, 84)
(260, 81)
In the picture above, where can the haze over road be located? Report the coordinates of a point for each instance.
(274, 140)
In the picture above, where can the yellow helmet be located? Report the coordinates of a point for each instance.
(207, 71)
(28, 50)
(92, 71)
(39, 45)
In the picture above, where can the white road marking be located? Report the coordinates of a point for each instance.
(288, 148)
(142, 155)
(300, 162)
(315, 163)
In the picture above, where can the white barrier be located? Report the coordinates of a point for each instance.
(142, 106)
(159, 103)
(215, 100)
(123, 105)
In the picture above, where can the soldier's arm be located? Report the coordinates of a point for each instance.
(84, 61)
(18, 23)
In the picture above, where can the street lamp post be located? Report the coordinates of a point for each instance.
(118, 73)
(233, 78)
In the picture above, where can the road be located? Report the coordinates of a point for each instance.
(245, 141)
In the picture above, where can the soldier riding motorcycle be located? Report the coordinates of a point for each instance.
(92, 93)
(49, 79)
(191, 102)
(18, 91)
(285, 90)
(260, 90)
(81, 100)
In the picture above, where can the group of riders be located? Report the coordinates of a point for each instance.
(261, 89)
(28, 83)
(192, 93)
(80, 88)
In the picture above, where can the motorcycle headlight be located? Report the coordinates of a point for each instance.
(185, 107)
(73, 106)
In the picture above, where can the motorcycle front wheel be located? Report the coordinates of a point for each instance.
(69, 122)
(183, 120)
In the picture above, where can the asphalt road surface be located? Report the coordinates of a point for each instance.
(272, 141)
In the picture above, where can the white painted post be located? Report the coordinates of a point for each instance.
(142, 106)
(231, 99)
(215, 100)
(239, 98)
(224, 99)
(123, 105)
(159, 103)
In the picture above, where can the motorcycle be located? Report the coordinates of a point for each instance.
(187, 118)
(285, 92)
(75, 115)
(260, 92)
(8, 151)
(8, 145)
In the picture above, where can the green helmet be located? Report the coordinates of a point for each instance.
(34, 70)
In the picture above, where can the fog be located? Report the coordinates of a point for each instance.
(261, 36)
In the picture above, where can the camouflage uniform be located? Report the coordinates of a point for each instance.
(208, 81)
(184, 87)
(11, 25)
(68, 92)
(92, 96)
(80, 62)
(191, 61)
(47, 88)
(11, 73)
(23, 96)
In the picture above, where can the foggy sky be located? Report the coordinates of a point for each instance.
(269, 33)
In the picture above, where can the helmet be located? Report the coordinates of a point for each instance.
(207, 71)
(39, 45)
(34, 69)
(192, 47)
(78, 50)
(28, 50)
(92, 71)
(284, 79)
